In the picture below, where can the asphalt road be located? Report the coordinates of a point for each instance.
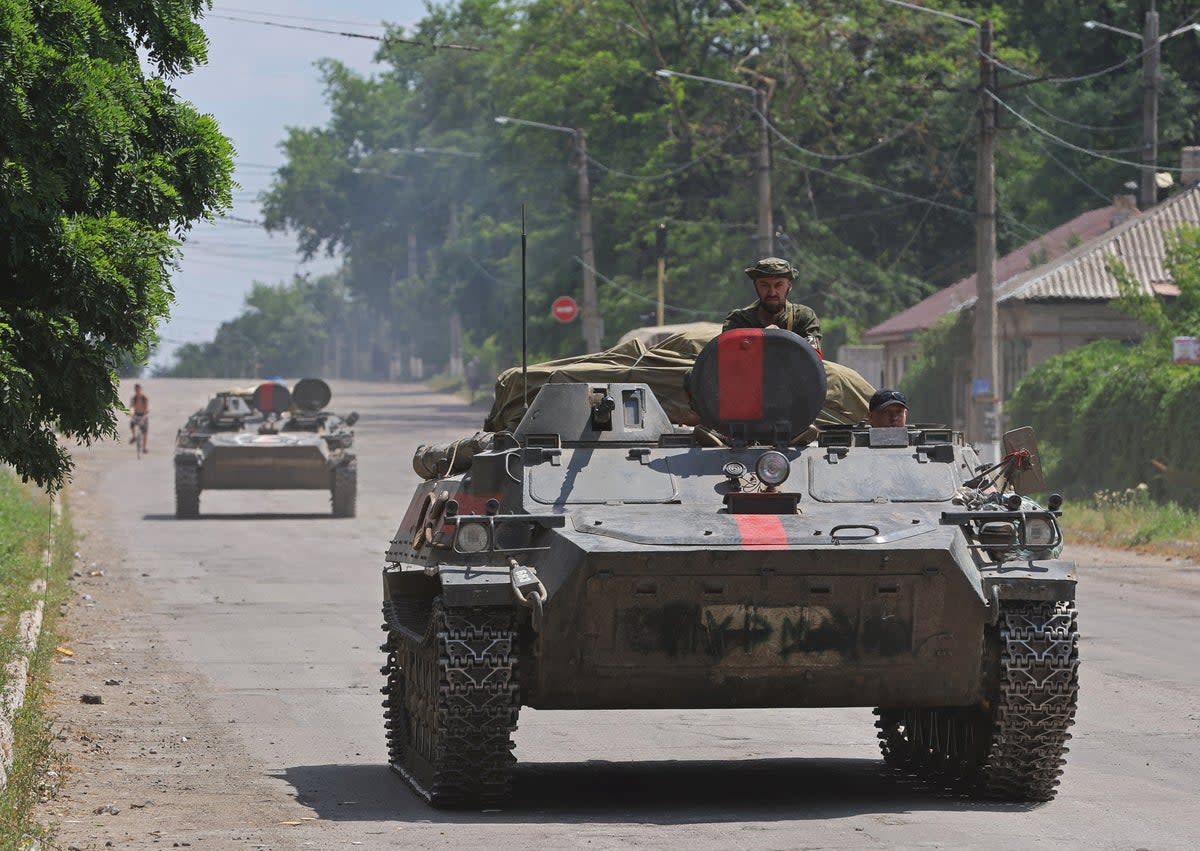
(237, 659)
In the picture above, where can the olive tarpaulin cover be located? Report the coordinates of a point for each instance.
(664, 368)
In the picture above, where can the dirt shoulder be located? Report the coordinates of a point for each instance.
(1167, 572)
(148, 767)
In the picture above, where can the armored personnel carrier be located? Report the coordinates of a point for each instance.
(599, 557)
(267, 438)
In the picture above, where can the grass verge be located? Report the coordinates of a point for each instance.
(24, 529)
(1128, 520)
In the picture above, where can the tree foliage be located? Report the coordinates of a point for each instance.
(100, 163)
(872, 111)
(307, 327)
(1106, 413)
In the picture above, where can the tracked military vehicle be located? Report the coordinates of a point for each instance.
(600, 557)
(267, 438)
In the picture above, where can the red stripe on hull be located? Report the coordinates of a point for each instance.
(761, 531)
(740, 375)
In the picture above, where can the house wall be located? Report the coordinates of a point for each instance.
(898, 356)
(1030, 333)
(1044, 330)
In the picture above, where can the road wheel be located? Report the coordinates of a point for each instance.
(187, 490)
(452, 703)
(345, 489)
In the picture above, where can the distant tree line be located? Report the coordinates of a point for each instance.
(872, 109)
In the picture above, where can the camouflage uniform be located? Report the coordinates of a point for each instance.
(797, 318)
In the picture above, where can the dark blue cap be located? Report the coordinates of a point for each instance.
(884, 398)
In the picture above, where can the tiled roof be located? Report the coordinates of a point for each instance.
(1082, 273)
(925, 313)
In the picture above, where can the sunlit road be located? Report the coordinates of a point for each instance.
(238, 659)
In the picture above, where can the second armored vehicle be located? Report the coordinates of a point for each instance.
(599, 557)
(268, 438)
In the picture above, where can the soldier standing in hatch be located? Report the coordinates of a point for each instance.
(772, 278)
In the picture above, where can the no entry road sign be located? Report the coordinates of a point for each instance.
(564, 308)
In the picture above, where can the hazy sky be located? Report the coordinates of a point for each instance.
(259, 80)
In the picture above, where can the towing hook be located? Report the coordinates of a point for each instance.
(528, 590)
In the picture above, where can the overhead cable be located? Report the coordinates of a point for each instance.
(942, 184)
(1070, 123)
(358, 23)
(1081, 77)
(1077, 177)
(839, 157)
(637, 295)
(1074, 147)
(385, 39)
(662, 174)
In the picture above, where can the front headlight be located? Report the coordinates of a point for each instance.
(472, 538)
(997, 533)
(1039, 532)
(773, 468)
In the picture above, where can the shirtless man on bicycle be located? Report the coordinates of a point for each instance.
(139, 406)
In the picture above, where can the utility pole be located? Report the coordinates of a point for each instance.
(661, 247)
(589, 313)
(766, 228)
(1151, 56)
(986, 408)
(1151, 48)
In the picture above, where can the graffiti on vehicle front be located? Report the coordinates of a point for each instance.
(725, 631)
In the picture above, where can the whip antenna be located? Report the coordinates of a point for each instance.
(524, 317)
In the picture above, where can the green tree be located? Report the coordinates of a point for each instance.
(873, 120)
(286, 330)
(1105, 413)
(100, 164)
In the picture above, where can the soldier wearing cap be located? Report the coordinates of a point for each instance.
(772, 278)
(888, 409)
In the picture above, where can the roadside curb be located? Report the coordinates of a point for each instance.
(29, 628)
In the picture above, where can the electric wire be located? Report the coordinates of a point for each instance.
(358, 23)
(1079, 178)
(383, 39)
(941, 188)
(632, 294)
(1064, 143)
(1082, 77)
(1099, 128)
(839, 157)
(662, 174)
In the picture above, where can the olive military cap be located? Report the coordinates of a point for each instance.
(772, 267)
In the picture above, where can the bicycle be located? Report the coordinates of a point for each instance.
(138, 422)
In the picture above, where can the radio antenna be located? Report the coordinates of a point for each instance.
(524, 316)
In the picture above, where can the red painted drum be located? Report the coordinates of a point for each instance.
(271, 397)
(758, 385)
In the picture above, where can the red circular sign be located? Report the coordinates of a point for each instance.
(564, 308)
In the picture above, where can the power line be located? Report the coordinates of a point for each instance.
(358, 23)
(1077, 124)
(860, 181)
(1081, 77)
(840, 157)
(383, 39)
(640, 296)
(1072, 146)
(663, 174)
(1077, 177)
(940, 189)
